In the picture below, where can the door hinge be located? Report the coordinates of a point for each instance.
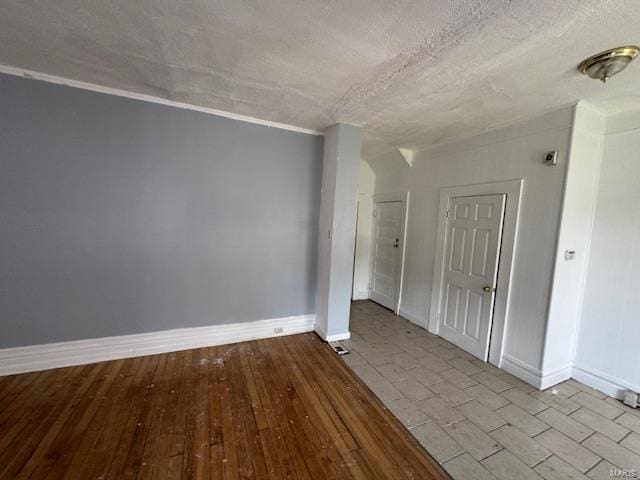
(375, 212)
(448, 213)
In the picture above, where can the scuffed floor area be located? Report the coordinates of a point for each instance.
(278, 408)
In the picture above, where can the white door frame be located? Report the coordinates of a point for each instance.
(392, 197)
(513, 190)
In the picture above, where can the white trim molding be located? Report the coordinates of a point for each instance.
(45, 77)
(601, 381)
(549, 379)
(336, 337)
(513, 190)
(522, 370)
(79, 352)
(360, 295)
(413, 318)
(534, 376)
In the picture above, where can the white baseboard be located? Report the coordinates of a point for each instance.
(80, 352)
(601, 381)
(336, 337)
(361, 295)
(413, 318)
(523, 371)
(534, 376)
(549, 379)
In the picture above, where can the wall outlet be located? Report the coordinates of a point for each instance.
(278, 330)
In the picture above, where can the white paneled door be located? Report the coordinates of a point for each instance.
(472, 253)
(387, 236)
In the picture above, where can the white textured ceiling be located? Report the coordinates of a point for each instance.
(413, 73)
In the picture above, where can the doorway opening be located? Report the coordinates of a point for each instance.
(388, 245)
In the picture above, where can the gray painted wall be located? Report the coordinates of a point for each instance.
(120, 216)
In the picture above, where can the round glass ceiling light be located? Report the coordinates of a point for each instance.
(606, 64)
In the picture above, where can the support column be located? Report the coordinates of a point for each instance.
(340, 166)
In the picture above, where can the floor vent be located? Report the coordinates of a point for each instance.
(339, 349)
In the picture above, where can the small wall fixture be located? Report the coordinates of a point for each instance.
(606, 64)
(551, 158)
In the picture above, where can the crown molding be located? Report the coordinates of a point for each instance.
(45, 77)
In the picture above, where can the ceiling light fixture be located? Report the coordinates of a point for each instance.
(606, 64)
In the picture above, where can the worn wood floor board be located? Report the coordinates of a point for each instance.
(365, 417)
(52, 457)
(48, 413)
(281, 408)
(338, 439)
(92, 445)
(105, 447)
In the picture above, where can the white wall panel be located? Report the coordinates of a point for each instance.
(608, 345)
(576, 225)
(509, 153)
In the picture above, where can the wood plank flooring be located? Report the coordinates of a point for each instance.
(278, 408)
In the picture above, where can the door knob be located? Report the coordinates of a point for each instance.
(487, 288)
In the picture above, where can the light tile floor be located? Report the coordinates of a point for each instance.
(479, 421)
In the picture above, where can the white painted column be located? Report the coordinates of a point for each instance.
(576, 226)
(341, 161)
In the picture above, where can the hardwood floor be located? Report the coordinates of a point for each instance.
(278, 408)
